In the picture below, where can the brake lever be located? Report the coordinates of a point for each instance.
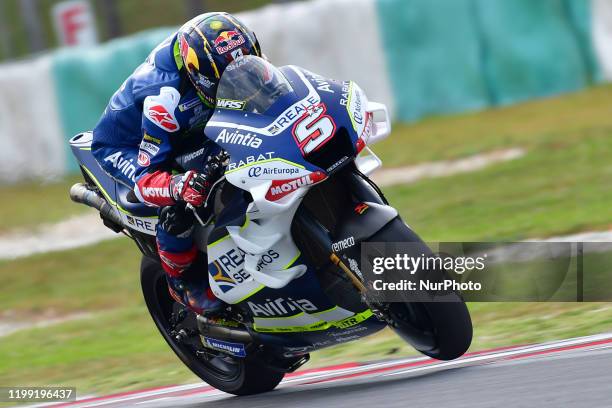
(195, 213)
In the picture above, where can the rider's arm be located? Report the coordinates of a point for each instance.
(158, 125)
(155, 186)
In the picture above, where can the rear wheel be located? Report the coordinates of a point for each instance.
(238, 376)
(442, 330)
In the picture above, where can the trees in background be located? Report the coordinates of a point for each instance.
(6, 46)
(111, 17)
(26, 25)
(30, 14)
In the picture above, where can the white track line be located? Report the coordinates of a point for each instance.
(8, 327)
(506, 354)
(74, 232)
(411, 174)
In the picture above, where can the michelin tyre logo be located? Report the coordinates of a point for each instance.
(235, 349)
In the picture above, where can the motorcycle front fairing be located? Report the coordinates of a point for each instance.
(268, 163)
(255, 262)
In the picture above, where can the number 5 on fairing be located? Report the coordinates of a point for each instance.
(314, 129)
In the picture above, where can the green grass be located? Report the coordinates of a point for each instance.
(541, 124)
(34, 203)
(102, 277)
(562, 185)
(555, 189)
(118, 349)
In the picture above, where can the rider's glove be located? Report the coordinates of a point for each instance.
(215, 167)
(161, 189)
(191, 188)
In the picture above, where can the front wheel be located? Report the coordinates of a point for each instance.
(441, 330)
(238, 376)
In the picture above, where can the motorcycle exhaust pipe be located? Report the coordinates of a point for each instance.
(208, 327)
(79, 193)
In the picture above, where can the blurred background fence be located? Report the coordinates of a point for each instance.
(420, 57)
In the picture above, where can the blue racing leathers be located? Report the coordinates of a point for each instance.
(148, 119)
(154, 116)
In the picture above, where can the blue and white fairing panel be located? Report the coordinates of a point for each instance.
(272, 134)
(272, 146)
(267, 158)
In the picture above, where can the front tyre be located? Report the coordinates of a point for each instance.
(238, 376)
(441, 330)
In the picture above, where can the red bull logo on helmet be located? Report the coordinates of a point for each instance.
(228, 40)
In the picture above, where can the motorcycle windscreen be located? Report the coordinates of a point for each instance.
(252, 85)
(256, 106)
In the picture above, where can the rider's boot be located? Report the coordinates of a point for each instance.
(191, 288)
(186, 269)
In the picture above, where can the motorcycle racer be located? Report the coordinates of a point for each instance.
(159, 112)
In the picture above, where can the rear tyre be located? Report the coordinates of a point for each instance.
(238, 376)
(441, 330)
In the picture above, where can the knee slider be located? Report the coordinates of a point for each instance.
(176, 220)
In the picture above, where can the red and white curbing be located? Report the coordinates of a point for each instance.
(348, 371)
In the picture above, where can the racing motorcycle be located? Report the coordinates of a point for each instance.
(280, 232)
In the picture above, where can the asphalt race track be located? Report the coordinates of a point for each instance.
(570, 373)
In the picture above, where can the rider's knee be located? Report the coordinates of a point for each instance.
(176, 221)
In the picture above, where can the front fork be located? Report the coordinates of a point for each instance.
(321, 236)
